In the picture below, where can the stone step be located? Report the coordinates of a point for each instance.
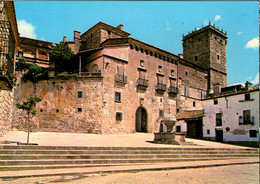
(117, 156)
(31, 147)
(55, 152)
(103, 161)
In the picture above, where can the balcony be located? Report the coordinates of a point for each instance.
(121, 79)
(160, 88)
(173, 91)
(142, 83)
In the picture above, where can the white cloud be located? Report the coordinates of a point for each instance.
(256, 79)
(253, 44)
(26, 29)
(239, 33)
(217, 17)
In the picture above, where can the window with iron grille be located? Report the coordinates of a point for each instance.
(246, 117)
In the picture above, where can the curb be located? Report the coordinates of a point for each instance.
(134, 170)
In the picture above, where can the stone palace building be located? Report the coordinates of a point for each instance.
(123, 85)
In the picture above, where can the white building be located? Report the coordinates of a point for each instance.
(232, 115)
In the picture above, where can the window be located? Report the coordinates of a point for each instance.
(131, 46)
(79, 109)
(109, 32)
(151, 53)
(160, 69)
(246, 117)
(178, 128)
(219, 119)
(215, 101)
(196, 58)
(247, 96)
(194, 103)
(141, 62)
(252, 133)
(208, 131)
(218, 57)
(118, 97)
(142, 50)
(79, 94)
(161, 113)
(40, 110)
(186, 91)
(57, 110)
(136, 48)
(172, 72)
(186, 73)
(119, 116)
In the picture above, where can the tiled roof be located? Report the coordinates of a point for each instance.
(189, 114)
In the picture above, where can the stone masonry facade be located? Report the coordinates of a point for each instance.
(123, 85)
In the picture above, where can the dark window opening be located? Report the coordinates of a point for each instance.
(141, 62)
(117, 97)
(142, 50)
(247, 96)
(186, 72)
(57, 110)
(208, 131)
(79, 94)
(151, 53)
(196, 58)
(40, 110)
(194, 103)
(219, 119)
(218, 57)
(136, 48)
(119, 116)
(146, 52)
(108, 31)
(131, 46)
(178, 128)
(252, 133)
(215, 101)
(172, 72)
(79, 109)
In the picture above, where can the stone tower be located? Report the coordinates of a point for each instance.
(206, 47)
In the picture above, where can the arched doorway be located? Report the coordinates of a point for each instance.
(141, 119)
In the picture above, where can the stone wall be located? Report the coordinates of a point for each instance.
(6, 106)
(61, 109)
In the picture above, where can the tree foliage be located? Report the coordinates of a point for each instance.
(62, 56)
(29, 107)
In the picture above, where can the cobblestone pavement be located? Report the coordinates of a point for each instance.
(237, 174)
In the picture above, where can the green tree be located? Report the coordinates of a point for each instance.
(62, 56)
(29, 107)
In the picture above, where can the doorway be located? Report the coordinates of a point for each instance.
(141, 119)
(219, 135)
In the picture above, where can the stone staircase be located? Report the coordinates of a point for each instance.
(23, 157)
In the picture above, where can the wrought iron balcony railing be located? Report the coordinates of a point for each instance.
(121, 78)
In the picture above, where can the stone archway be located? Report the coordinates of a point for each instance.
(141, 119)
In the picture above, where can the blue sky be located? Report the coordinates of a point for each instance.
(159, 23)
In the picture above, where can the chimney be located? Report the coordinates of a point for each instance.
(120, 27)
(76, 35)
(180, 56)
(248, 85)
(64, 38)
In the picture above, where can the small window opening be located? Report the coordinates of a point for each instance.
(194, 103)
(109, 32)
(172, 72)
(117, 97)
(252, 133)
(57, 110)
(119, 116)
(79, 109)
(215, 101)
(161, 113)
(196, 58)
(178, 128)
(160, 69)
(79, 94)
(247, 96)
(141, 62)
(208, 131)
